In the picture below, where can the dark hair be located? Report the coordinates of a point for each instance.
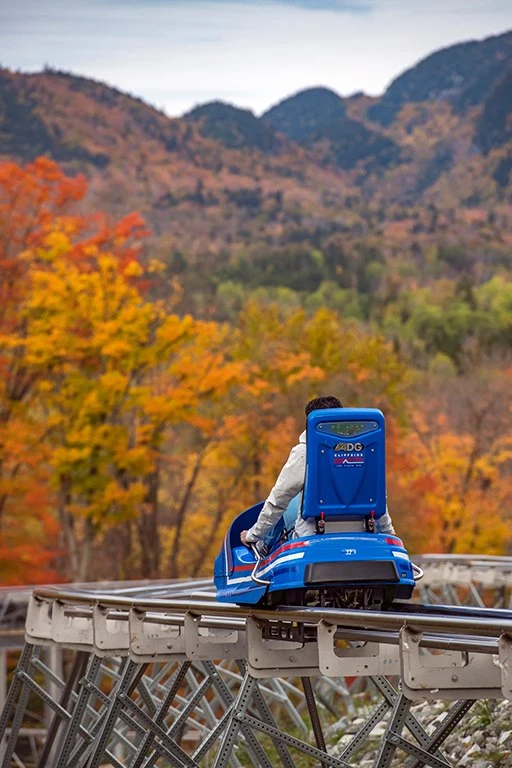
(327, 401)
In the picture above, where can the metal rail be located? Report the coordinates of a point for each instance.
(470, 621)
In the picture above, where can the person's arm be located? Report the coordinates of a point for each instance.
(385, 524)
(288, 485)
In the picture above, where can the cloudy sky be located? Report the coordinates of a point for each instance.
(178, 53)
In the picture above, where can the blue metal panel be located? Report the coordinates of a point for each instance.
(346, 464)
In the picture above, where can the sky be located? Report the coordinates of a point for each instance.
(176, 54)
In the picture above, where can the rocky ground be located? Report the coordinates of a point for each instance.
(483, 739)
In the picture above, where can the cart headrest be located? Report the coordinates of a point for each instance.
(345, 464)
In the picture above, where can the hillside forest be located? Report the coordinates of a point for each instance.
(172, 292)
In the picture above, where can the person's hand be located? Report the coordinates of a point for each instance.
(243, 538)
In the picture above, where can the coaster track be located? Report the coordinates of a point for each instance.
(159, 674)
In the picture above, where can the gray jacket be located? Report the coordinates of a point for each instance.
(289, 483)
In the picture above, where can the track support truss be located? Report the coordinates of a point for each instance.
(142, 681)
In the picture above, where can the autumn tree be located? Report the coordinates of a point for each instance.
(31, 199)
(114, 372)
(451, 474)
(290, 356)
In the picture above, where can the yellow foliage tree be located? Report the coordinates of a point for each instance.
(114, 371)
(453, 490)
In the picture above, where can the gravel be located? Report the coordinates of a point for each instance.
(483, 739)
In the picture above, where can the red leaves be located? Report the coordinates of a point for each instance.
(30, 199)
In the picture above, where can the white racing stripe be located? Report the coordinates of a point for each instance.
(285, 559)
(239, 580)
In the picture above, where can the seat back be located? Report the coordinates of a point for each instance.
(345, 464)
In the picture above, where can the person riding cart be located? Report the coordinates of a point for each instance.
(285, 498)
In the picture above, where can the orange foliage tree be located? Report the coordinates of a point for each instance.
(31, 199)
(450, 472)
(40, 235)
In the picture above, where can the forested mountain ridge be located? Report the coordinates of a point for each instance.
(494, 126)
(68, 117)
(437, 123)
(137, 158)
(461, 74)
(433, 121)
(301, 116)
(315, 193)
(317, 117)
(235, 128)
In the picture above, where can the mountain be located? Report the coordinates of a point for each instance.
(317, 118)
(418, 141)
(494, 125)
(371, 139)
(317, 182)
(493, 133)
(234, 128)
(76, 120)
(462, 74)
(249, 185)
(302, 116)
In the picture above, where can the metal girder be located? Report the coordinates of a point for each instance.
(449, 675)
(364, 660)
(210, 644)
(279, 658)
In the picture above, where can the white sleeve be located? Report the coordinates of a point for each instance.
(288, 485)
(385, 524)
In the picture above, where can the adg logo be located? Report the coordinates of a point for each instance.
(349, 447)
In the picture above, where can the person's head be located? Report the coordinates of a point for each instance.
(327, 401)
